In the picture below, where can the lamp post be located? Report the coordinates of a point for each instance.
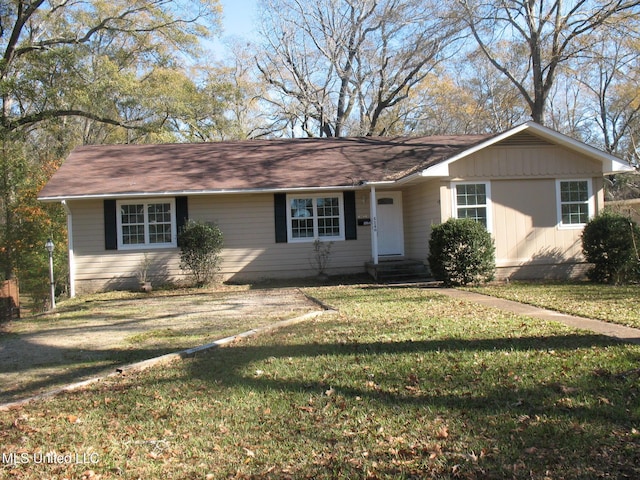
(49, 246)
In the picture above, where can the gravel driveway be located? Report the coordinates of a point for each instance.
(83, 341)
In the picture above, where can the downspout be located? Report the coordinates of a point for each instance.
(72, 263)
(374, 226)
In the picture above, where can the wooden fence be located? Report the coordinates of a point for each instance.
(9, 300)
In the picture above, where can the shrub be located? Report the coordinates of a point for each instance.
(461, 251)
(321, 256)
(610, 242)
(200, 245)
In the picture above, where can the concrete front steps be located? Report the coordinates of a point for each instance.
(399, 271)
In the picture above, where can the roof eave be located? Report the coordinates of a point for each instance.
(442, 169)
(616, 166)
(193, 193)
(610, 163)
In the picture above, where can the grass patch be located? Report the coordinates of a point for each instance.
(611, 303)
(401, 383)
(94, 334)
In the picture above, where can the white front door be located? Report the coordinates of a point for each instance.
(390, 224)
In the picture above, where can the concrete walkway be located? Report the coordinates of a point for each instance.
(627, 334)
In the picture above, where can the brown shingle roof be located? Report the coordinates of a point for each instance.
(114, 170)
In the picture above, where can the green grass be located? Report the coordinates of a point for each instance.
(401, 383)
(611, 303)
(128, 326)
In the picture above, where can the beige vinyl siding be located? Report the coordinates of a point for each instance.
(518, 162)
(250, 251)
(526, 224)
(97, 268)
(525, 230)
(422, 210)
(528, 240)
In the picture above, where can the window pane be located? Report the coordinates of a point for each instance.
(133, 235)
(160, 223)
(301, 208)
(574, 202)
(479, 214)
(328, 207)
(471, 200)
(314, 217)
(574, 191)
(132, 220)
(146, 224)
(575, 213)
(160, 233)
(328, 217)
(475, 194)
(328, 227)
(302, 228)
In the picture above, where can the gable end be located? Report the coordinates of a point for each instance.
(524, 139)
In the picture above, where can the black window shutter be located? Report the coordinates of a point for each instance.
(280, 214)
(350, 220)
(110, 228)
(182, 214)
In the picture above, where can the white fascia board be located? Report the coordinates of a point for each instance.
(438, 170)
(442, 169)
(610, 163)
(616, 166)
(381, 183)
(191, 193)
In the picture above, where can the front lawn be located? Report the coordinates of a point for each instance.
(401, 383)
(95, 334)
(611, 303)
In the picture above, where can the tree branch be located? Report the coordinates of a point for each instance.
(49, 114)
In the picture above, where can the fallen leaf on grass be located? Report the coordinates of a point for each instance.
(412, 379)
(23, 428)
(249, 453)
(564, 389)
(443, 432)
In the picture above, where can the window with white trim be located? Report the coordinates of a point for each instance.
(575, 202)
(146, 224)
(473, 200)
(315, 216)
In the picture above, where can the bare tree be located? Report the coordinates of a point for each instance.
(337, 67)
(462, 97)
(609, 74)
(541, 35)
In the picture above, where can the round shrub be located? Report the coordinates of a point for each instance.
(200, 245)
(461, 252)
(610, 242)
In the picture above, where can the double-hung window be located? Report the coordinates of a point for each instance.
(146, 224)
(473, 200)
(575, 203)
(311, 217)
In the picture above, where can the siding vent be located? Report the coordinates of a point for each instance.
(524, 139)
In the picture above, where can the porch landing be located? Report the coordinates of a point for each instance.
(399, 271)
